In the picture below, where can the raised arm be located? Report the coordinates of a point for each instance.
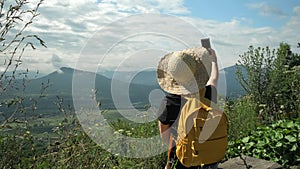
(213, 80)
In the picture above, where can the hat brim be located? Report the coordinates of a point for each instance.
(169, 84)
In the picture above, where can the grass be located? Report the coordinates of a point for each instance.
(56, 143)
(59, 143)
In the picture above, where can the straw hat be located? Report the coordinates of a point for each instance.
(184, 72)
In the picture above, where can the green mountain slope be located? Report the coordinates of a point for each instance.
(137, 86)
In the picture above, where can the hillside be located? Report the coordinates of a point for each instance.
(234, 89)
(227, 77)
(59, 86)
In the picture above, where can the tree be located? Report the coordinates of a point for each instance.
(285, 82)
(258, 64)
(271, 80)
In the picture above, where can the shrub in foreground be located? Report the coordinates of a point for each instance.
(279, 142)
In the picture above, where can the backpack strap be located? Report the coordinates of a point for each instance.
(203, 104)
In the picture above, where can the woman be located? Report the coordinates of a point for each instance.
(170, 109)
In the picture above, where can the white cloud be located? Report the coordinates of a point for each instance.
(265, 9)
(56, 61)
(290, 32)
(67, 26)
(294, 23)
(138, 6)
(233, 38)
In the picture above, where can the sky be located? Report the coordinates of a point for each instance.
(99, 35)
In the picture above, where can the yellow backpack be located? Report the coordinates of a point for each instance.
(202, 133)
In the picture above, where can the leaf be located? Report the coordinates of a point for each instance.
(290, 138)
(290, 124)
(279, 135)
(260, 143)
(251, 144)
(294, 148)
(279, 144)
(245, 139)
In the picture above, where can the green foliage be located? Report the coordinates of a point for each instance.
(16, 17)
(68, 146)
(279, 142)
(20, 150)
(242, 117)
(272, 80)
(258, 64)
(286, 83)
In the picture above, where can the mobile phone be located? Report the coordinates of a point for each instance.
(205, 43)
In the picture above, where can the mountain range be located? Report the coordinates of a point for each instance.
(228, 83)
(58, 85)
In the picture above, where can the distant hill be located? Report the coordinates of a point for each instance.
(140, 85)
(233, 88)
(146, 77)
(28, 74)
(60, 82)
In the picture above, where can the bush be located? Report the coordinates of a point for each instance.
(242, 117)
(271, 78)
(279, 142)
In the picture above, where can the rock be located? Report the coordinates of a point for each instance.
(253, 163)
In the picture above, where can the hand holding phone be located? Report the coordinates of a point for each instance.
(205, 43)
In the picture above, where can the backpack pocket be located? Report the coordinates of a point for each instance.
(209, 152)
(210, 129)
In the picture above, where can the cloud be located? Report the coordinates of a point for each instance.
(294, 21)
(138, 41)
(290, 30)
(56, 61)
(68, 26)
(265, 9)
(157, 6)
